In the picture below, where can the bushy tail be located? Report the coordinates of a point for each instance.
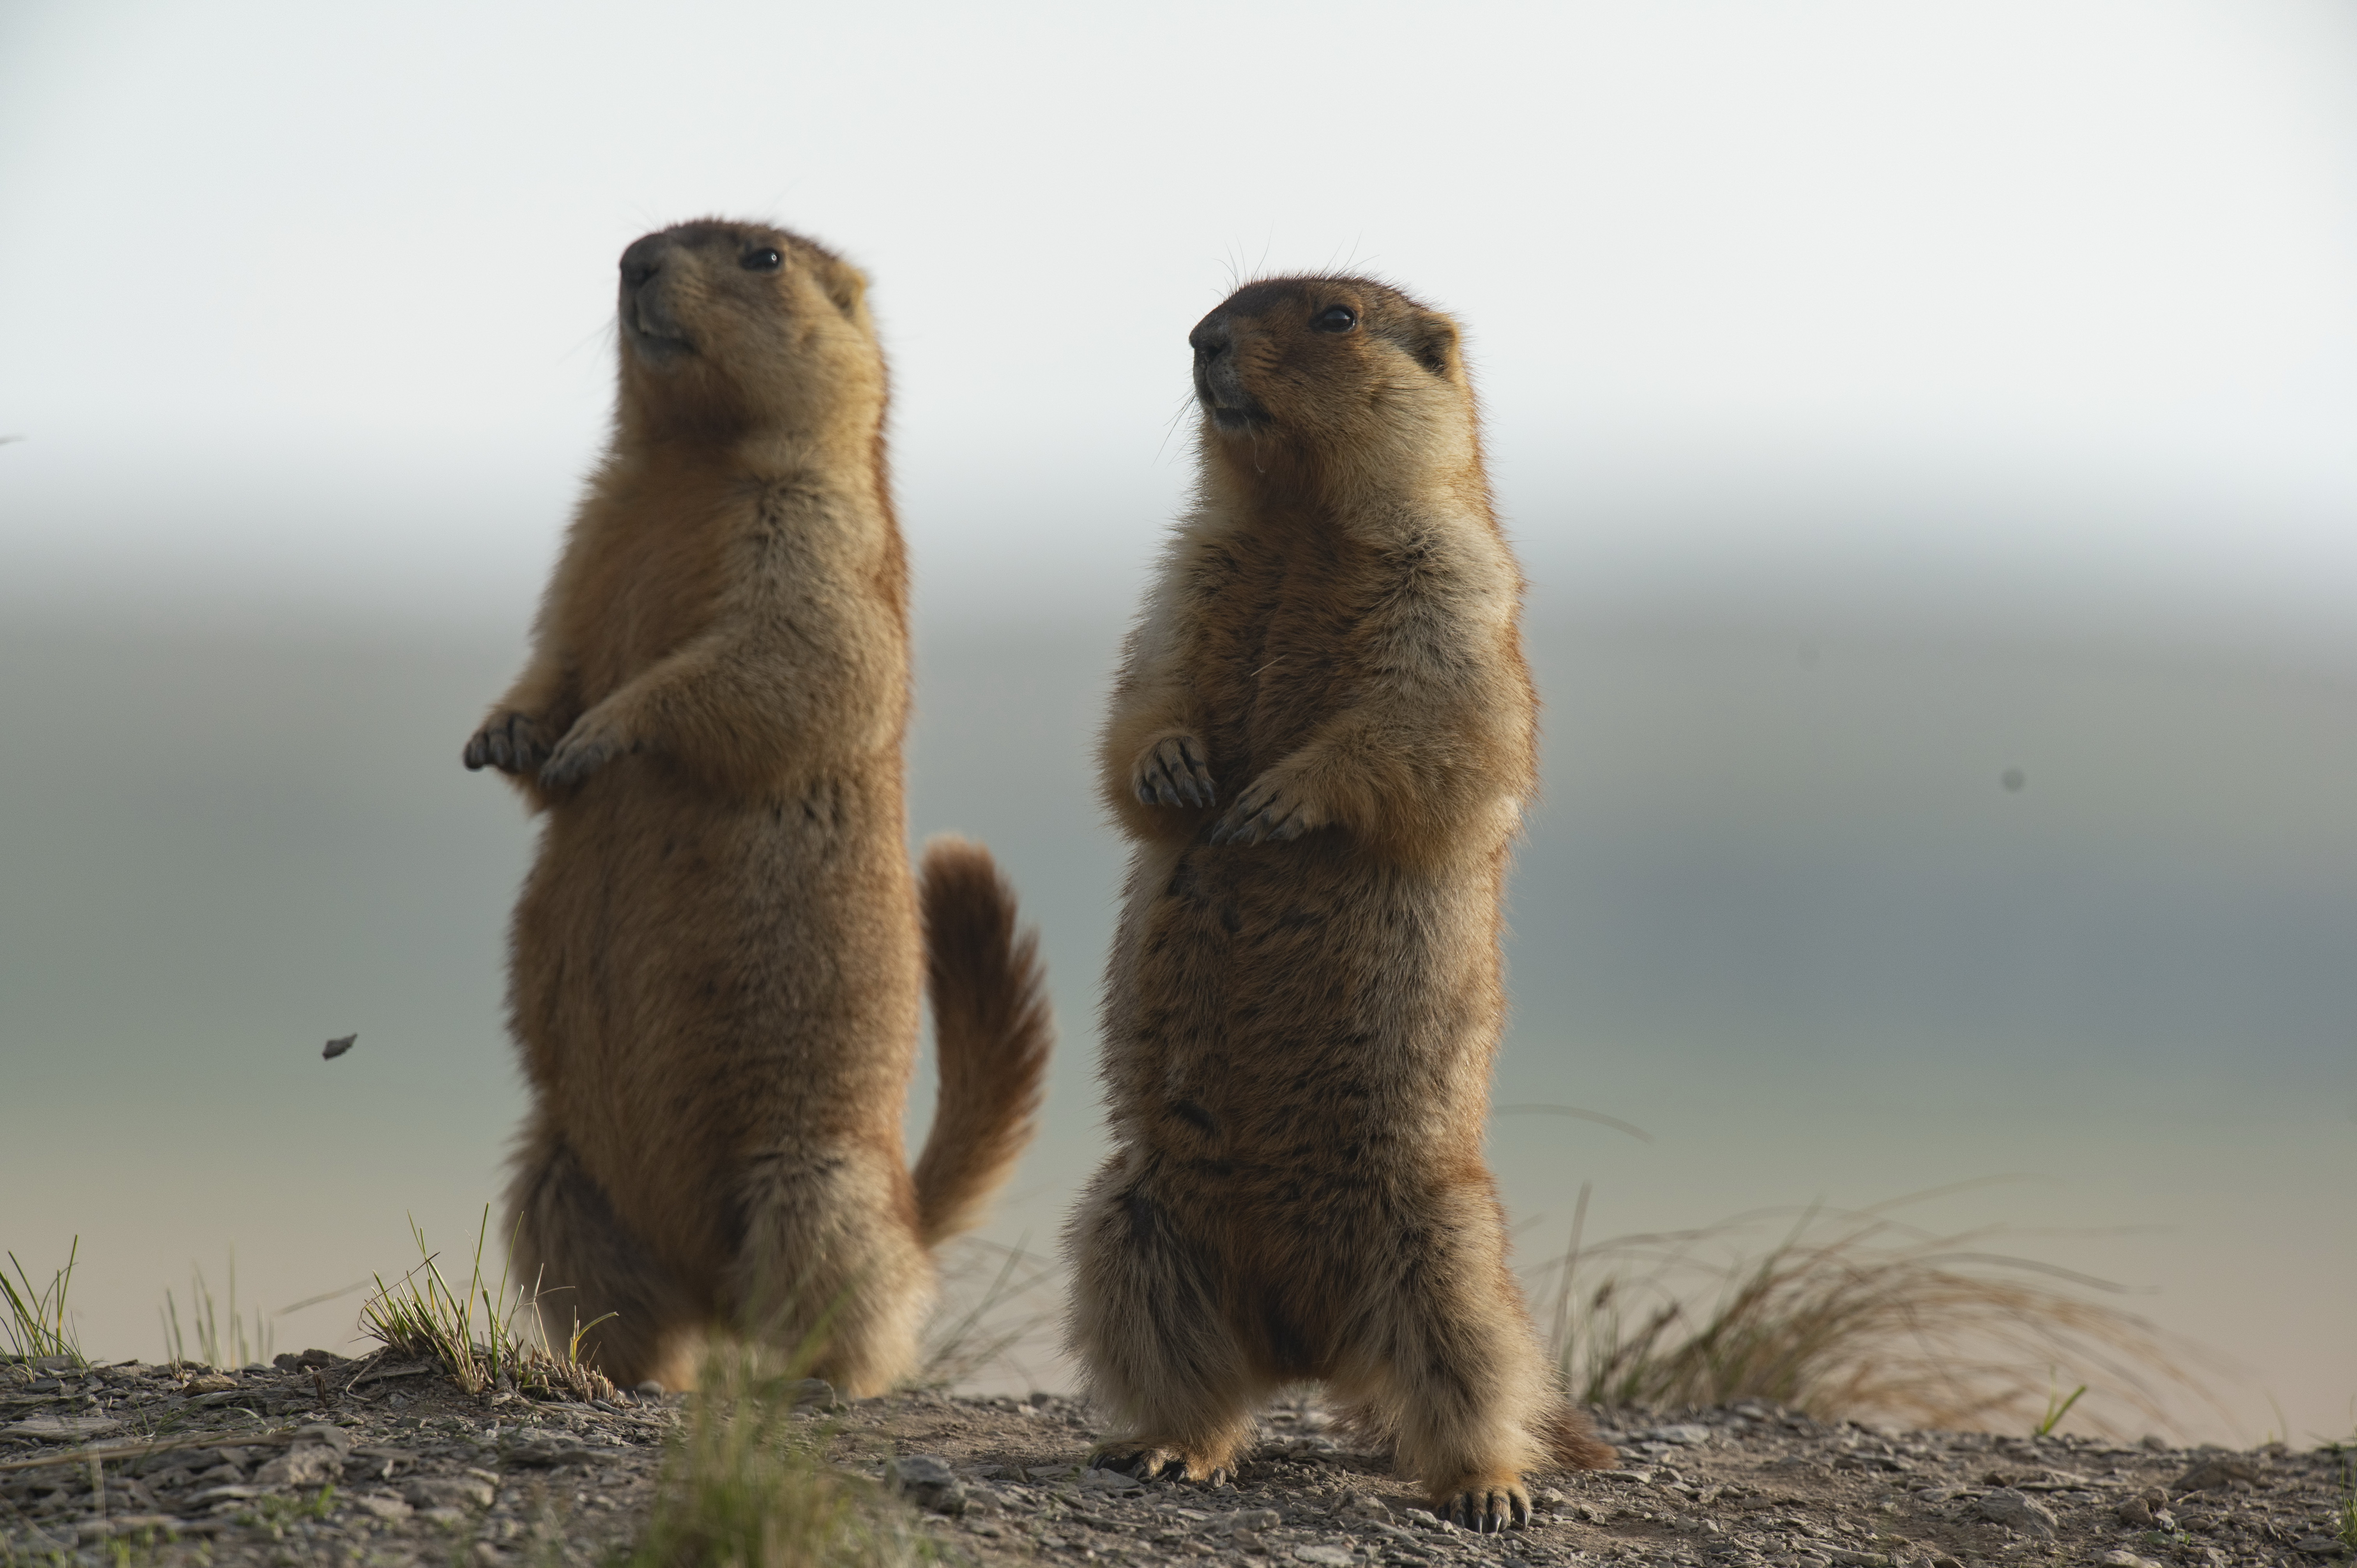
(991, 1032)
(1572, 1441)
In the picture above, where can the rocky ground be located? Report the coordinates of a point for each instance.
(321, 1460)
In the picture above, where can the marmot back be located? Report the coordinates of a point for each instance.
(717, 957)
(1320, 743)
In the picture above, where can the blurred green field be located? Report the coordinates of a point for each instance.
(1779, 910)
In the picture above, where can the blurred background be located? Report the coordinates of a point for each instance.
(1928, 432)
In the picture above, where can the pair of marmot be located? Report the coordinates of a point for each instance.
(1320, 742)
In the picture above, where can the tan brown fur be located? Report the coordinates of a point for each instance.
(717, 956)
(1321, 743)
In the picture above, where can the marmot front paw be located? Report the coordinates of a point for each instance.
(509, 741)
(586, 749)
(1273, 807)
(1171, 772)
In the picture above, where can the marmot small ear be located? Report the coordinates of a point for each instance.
(1434, 344)
(846, 285)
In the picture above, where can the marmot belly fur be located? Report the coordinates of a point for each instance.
(1321, 743)
(717, 955)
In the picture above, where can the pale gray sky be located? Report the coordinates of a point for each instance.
(311, 302)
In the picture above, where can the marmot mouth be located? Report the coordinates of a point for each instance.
(652, 332)
(1228, 418)
(658, 345)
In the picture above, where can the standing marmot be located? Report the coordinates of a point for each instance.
(717, 957)
(1321, 740)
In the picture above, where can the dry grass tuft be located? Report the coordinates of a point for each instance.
(37, 1324)
(2344, 1512)
(744, 1486)
(1853, 1314)
(420, 1316)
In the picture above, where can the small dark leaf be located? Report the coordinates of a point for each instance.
(337, 1047)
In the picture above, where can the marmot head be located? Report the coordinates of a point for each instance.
(730, 330)
(1333, 373)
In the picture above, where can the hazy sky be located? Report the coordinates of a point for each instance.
(312, 302)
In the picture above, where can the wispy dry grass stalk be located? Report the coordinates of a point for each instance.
(421, 1316)
(744, 1484)
(215, 1347)
(996, 1299)
(1854, 1313)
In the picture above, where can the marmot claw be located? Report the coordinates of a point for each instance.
(1150, 1461)
(509, 742)
(1171, 773)
(577, 756)
(1266, 811)
(1487, 1510)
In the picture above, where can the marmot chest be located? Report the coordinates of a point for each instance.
(1281, 621)
(651, 590)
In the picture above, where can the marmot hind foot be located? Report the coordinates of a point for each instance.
(1160, 1459)
(1484, 1504)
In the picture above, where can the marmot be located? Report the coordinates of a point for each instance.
(716, 960)
(1320, 742)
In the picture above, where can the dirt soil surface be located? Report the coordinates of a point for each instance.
(321, 1460)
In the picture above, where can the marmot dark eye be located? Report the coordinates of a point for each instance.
(1335, 318)
(764, 260)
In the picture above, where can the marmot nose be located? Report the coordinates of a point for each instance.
(642, 260)
(1209, 341)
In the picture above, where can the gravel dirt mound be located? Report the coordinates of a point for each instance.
(322, 1460)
